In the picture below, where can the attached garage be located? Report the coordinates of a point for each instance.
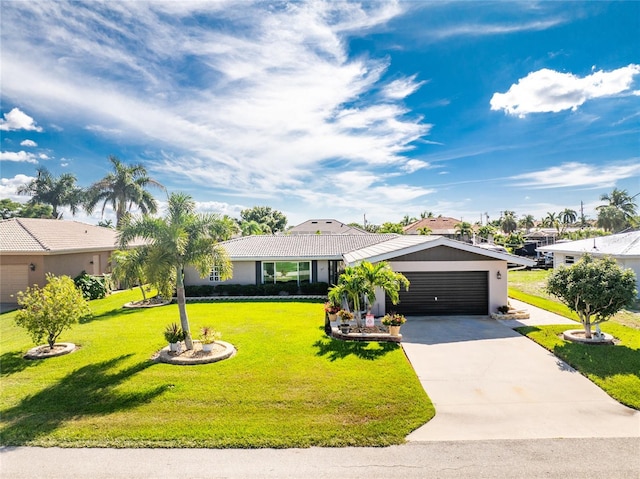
(14, 278)
(444, 293)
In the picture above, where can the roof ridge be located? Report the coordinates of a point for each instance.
(33, 235)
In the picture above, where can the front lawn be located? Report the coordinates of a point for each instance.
(288, 386)
(616, 369)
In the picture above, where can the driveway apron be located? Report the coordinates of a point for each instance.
(489, 382)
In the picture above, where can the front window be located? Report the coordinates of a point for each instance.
(286, 271)
(569, 260)
(214, 276)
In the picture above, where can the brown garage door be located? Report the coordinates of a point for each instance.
(444, 293)
(13, 278)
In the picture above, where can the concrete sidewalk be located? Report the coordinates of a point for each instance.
(489, 382)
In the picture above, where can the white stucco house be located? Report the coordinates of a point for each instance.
(623, 247)
(447, 276)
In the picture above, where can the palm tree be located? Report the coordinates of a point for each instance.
(623, 203)
(179, 239)
(527, 222)
(252, 227)
(361, 281)
(57, 192)
(407, 220)
(425, 230)
(122, 189)
(567, 217)
(551, 221)
(486, 231)
(225, 228)
(129, 267)
(508, 222)
(464, 229)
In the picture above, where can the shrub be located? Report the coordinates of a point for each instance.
(174, 333)
(47, 312)
(93, 287)
(503, 309)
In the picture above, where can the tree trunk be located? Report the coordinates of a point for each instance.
(587, 327)
(182, 308)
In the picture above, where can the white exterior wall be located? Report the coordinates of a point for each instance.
(498, 295)
(244, 272)
(632, 263)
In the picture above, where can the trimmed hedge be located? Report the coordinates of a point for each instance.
(272, 289)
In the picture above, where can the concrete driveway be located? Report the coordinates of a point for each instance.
(489, 382)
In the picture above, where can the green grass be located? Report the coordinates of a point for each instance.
(288, 386)
(615, 368)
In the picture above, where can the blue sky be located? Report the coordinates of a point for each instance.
(330, 109)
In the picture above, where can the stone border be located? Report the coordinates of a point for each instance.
(514, 315)
(570, 335)
(133, 305)
(228, 351)
(380, 337)
(39, 353)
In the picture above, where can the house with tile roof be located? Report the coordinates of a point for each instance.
(325, 227)
(447, 276)
(32, 247)
(623, 247)
(440, 226)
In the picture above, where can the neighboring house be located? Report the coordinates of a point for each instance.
(30, 248)
(440, 226)
(325, 227)
(623, 247)
(447, 276)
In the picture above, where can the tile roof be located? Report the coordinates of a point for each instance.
(299, 246)
(441, 225)
(34, 235)
(622, 244)
(326, 226)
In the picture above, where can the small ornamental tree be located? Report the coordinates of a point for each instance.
(594, 289)
(48, 311)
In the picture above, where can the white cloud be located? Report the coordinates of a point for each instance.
(485, 29)
(28, 143)
(551, 91)
(18, 120)
(9, 187)
(401, 88)
(274, 96)
(579, 175)
(414, 165)
(18, 156)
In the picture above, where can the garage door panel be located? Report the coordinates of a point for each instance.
(444, 293)
(14, 278)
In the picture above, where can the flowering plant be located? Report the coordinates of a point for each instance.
(331, 308)
(208, 335)
(393, 319)
(345, 315)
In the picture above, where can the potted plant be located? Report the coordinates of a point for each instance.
(345, 316)
(331, 309)
(174, 336)
(393, 321)
(208, 337)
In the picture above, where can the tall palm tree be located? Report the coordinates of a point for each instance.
(464, 229)
(527, 222)
(551, 221)
(181, 238)
(508, 222)
(55, 191)
(567, 217)
(123, 188)
(623, 203)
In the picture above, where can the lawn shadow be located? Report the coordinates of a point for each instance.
(13, 362)
(601, 360)
(88, 391)
(121, 311)
(335, 349)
